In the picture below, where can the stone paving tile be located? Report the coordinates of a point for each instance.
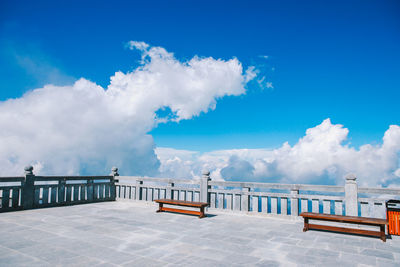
(322, 253)
(359, 259)
(241, 259)
(144, 262)
(21, 260)
(378, 253)
(268, 263)
(211, 254)
(312, 244)
(303, 259)
(284, 240)
(132, 234)
(344, 248)
(48, 254)
(386, 263)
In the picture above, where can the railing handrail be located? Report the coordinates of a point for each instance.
(59, 177)
(387, 191)
(305, 187)
(11, 179)
(159, 179)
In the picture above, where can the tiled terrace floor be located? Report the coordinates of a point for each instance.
(133, 234)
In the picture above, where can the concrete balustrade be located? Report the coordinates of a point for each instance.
(263, 198)
(31, 191)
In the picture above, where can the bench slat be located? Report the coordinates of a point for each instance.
(200, 205)
(343, 229)
(344, 219)
(341, 218)
(181, 211)
(182, 203)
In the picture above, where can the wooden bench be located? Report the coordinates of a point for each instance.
(200, 205)
(345, 219)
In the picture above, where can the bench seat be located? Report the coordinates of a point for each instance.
(381, 223)
(200, 205)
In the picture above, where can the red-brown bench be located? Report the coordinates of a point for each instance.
(200, 205)
(381, 223)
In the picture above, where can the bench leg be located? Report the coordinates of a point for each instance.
(383, 234)
(202, 215)
(305, 225)
(160, 206)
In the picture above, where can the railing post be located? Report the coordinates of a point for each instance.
(168, 191)
(28, 188)
(245, 199)
(138, 193)
(204, 187)
(113, 188)
(294, 202)
(351, 195)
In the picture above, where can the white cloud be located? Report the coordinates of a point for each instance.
(321, 156)
(85, 128)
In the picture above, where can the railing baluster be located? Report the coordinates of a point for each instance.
(53, 195)
(107, 191)
(69, 193)
(61, 191)
(229, 201)
(304, 205)
(45, 196)
(284, 205)
(36, 199)
(379, 210)
(15, 197)
(5, 201)
(274, 205)
(326, 206)
(76, 193)
(315, 205)
(365, 209)
(196, 196)
(236, 201)
(182, 194)
(254, 203)
(338, 207)
(220, 201)
(264, 204)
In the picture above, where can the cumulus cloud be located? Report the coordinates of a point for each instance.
(84, 128)
(321, 156)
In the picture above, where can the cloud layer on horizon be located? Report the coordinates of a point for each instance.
(321, 156)
(84, 128)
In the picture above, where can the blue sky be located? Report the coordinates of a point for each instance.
(331, 59)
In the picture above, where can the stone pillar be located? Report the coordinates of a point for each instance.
(28, 189)
(351, 195)
(204, 187)
(138, 193)
(245, 199)
(168, 191)
(294, 202)
(113, 188)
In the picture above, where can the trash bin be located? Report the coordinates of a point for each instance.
(393, 216)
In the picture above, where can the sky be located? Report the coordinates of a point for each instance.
(289, 91)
